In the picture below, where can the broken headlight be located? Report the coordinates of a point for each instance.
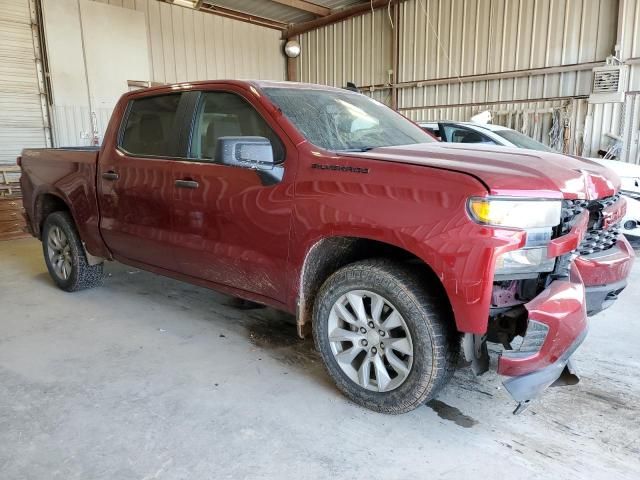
(536, 217)
(532, 258)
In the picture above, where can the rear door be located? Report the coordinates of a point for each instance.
(232, 223)
(136, 182)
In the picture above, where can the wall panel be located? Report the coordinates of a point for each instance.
(181, 45)
(357, 50)
(187, 45)
(447, 40)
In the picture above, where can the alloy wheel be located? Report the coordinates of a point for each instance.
(59, 251)
(370, 340)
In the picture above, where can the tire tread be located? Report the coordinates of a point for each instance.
(83, 275)
(407, 285)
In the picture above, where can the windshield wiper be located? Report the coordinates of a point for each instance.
(360, 149)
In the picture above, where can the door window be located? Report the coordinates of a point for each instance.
(224, 114)
(456, 134)
(151, 128)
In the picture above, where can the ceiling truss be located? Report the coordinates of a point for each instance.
(324, 15)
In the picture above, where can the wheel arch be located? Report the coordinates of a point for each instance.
(83, 212)
(48, 202)
(45, 204)
(329, 254)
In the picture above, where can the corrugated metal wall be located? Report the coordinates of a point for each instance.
(184, 45)
(21, 117)
(631, 54)
(357, 50)
(458, 38)
(521, 59)
(187, 45)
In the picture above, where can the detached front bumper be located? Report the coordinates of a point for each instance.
(557, 322)
(557, 326)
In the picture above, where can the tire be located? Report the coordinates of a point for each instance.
(65, 256)
(425, 341)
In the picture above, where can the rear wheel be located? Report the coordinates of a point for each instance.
(65, 256)
(385, 340)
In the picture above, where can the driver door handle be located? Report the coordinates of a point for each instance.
(110, 175)
(187, 184)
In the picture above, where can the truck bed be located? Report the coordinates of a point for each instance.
(54, 175)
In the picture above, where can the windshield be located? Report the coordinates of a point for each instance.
(345, 121)
(522, 141)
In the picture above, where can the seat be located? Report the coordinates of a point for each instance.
(471, 137)
(151, 135)
(219, 126)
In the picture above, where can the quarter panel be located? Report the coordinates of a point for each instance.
(70, 175)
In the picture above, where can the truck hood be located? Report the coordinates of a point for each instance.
(508, 171)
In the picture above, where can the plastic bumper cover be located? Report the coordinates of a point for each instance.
(602, 297)
(525, 388)
(605, 274)
(557, 327)
(608, 267)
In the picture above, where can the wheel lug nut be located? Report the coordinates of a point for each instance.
(370, 324)
(363, 330)
(364, 343)
(381, 332)
(374, 350)
(381, 345)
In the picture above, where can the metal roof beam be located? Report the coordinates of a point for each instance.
(309, 7)
(243, 17)
(340, 15)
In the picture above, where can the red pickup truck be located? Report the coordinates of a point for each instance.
(402, 255)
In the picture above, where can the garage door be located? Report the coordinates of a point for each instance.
(21, 120)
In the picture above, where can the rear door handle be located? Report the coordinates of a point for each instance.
(110, 175)
(187, 184)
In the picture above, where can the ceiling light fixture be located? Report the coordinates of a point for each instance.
(292, 49)
(185, 3)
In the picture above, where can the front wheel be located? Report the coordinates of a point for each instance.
(386, 341)
(65, 257)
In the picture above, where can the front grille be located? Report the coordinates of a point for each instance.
(597, 238)
(608, 201)
(570, 210)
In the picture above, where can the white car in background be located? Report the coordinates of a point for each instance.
(487, 133)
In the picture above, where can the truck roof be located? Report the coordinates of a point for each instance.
(244, 83)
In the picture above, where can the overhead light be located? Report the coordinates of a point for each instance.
(292, 49)
(185, 3)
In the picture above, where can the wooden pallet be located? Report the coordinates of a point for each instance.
(12, 224)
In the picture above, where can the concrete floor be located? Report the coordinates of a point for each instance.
(149, 378)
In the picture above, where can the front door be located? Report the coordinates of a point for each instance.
(136, 182)
(232, 224)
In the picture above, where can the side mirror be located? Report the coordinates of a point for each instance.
(246, 152)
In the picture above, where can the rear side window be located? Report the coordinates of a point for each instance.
(464, 135)
(151, 127)
(432, 130)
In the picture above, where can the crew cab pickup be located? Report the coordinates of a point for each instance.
(402, 255)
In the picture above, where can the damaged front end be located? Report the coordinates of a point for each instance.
(556, 326)
(539, 314)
